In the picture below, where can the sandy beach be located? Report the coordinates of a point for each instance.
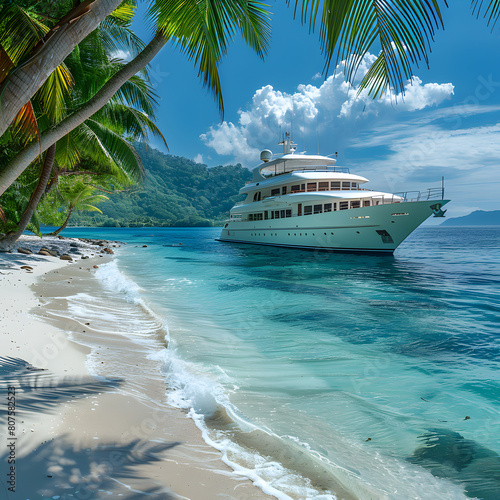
(83, 415)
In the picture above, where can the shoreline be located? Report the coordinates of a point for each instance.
(80, 435)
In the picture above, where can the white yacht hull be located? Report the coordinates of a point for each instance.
(379, 229)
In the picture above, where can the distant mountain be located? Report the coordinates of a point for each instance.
(477, 218)
(176, 192)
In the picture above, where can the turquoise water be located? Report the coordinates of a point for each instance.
(312, 370)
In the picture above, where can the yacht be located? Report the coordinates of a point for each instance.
(306, 201)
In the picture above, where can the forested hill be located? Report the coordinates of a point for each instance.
(176, 192)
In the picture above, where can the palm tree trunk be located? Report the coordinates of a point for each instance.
(57, 231)
(16, 167)
(22, 83)
(7, 242)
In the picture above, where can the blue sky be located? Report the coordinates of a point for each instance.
(447, 124)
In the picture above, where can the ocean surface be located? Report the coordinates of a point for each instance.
(318, 374)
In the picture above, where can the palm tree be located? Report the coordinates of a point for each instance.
(101, 137)
(23, 82)
(348, 29)
(77, 196)
(200, 29)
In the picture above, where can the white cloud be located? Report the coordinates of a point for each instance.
(420, 154)
(317, 76)
(122, 54)
(198, 158)
(329, 108)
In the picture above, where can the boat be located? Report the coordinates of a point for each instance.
(308, 202)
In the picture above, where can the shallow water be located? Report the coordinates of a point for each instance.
(379, 373)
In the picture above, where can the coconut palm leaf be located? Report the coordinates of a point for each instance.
(203, 29)
(25, 124)
(127, 121)
(53, 92)
(125, 12)
(350, 28)
(20, 31)
(492, 12)
(34, 225)
(138, 93)
(100, 141)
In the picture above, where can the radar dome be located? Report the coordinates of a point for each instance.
(266, 155)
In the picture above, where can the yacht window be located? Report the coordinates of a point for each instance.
(303, 187)
(346, 186)
(328, 207)
(275, 192)
(259, 216)
(266, 216)
(258, 197)
(255, 197)
(354, 185)
(355, 204)
(318, 209)
(311, 186)
(343, 205)
(276, 214)
(288, 212)
(295, 188)
(335, 185)
(299, 209)
(282, 215)
(334, 208)
(308, 210)
(283, 190)
(324, 186)
(366, 203)
(250, 217)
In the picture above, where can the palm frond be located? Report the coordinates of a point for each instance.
(127, 121)
(104, 141)
(53, 92)
(125, 12)
(139, 94)
(67, 152)
(20, 32)
(492, 12)
(25, 124)
(115, 37)
(403, 30)
(34, 225)
(203, 29)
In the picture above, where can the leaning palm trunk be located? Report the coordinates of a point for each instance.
(16, 167)
(22, 83)
(57, 231)
(7, 242)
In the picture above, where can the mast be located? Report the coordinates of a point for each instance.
(289, 146)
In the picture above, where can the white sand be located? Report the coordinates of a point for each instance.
(78, 437)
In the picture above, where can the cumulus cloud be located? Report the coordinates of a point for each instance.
(198, 158)
(418, 154)
(314, 110)
(124, 55)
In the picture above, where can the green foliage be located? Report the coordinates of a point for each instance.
(176, 192)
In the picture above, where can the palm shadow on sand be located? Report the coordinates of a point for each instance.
(63, 466)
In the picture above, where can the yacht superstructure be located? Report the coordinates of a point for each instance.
(306, 201)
